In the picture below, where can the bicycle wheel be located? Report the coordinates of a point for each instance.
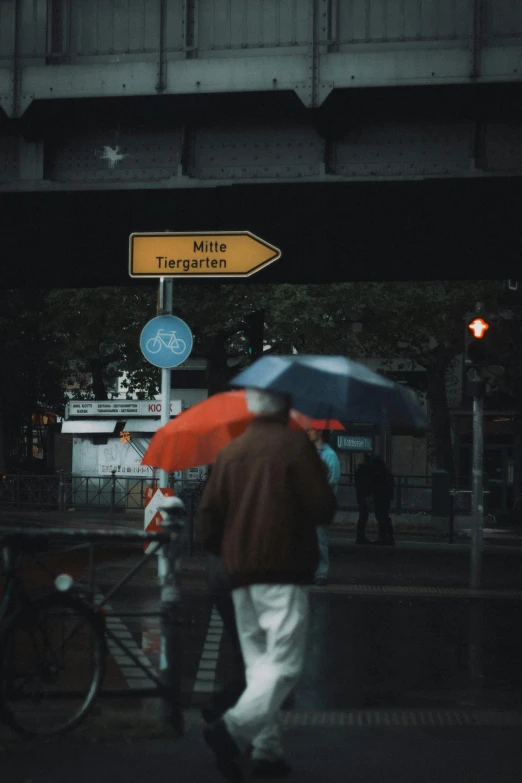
(181, 346)
(153, 344)
(52, 663)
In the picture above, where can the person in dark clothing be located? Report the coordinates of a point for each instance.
(382, 492)
(220, 593)
(363, 489)
(267, 494)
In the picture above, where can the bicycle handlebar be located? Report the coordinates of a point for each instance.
(23, 536)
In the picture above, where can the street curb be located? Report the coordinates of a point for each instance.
(125, 725)
(429, 528)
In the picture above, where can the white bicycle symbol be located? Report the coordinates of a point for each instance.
(167, 340)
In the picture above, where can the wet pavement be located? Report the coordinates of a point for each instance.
(408, 675)
(329, 754)
(417, 563)
(373, 650)
(367, 652)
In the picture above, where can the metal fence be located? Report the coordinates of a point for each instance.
(412, 494)
(60, 492)
(27, 491)
(63, 491)
(106, 492)
(113, 494)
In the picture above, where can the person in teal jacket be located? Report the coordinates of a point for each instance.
(331, 461)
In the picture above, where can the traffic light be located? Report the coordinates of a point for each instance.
(478, 352)
(483, 351)
(254, 332)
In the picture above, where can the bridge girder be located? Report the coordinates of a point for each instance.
(238, 53)
(163, 143)
(61, 49)
(140, 109)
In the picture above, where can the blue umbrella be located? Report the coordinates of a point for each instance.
(334, 387)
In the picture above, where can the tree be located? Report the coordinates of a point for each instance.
(30, 381)
(215, 313)
(93, 329)
(422, 324)
(98, 331)
(509, 342)
(426, 322)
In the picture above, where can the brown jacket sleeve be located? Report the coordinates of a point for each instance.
(313, 495)
(210, 517)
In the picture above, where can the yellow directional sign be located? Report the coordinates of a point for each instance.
(199, 254)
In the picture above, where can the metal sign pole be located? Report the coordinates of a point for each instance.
(165, 293)
(477, 495)
(169, 567)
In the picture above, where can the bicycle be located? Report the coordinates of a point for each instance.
(167, 340)
(53, 647)
(43, 640)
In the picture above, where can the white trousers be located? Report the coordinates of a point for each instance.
(272, 622)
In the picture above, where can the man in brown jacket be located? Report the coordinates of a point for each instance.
(267, 492)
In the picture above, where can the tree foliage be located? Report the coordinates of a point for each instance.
(420, 324)
(96, 330)
(424, 324)
(94, 333)
(30, 381)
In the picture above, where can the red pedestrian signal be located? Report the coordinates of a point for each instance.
(479, 327)
(479, 351)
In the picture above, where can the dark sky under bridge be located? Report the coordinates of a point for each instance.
(416, 230)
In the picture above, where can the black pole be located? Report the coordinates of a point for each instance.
(113, 491)
(477, 497)
(190, 514)
(169, 568)
(61, 494)
(451, 520)
(91, 571)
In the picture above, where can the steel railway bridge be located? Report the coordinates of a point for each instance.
(366, 138)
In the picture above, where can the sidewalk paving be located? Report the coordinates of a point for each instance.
(410, 526)
(418, 560)
(330, 754)
(423, 729)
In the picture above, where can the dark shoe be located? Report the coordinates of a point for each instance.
(232, 770)
(210, 714)
(218, 738)
(289, 702)
(321, 581)
(262, 768)
(363, 541)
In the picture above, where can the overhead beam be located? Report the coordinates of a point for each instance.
(198, 153)
(312, 76)
(152, 47)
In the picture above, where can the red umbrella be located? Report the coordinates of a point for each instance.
(317, 424)
(197, 435)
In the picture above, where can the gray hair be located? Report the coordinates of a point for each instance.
(265, 403)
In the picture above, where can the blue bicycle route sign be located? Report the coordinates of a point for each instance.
(166, 341)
